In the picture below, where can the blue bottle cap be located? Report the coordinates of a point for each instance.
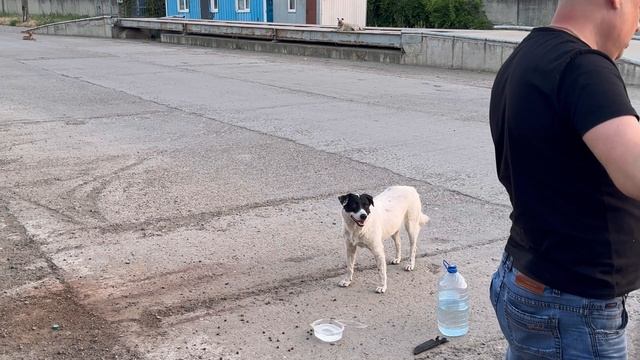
(451, 268)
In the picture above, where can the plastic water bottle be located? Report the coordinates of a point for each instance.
(453, 303)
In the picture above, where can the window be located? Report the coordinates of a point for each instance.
(183, 5)
(292, 5)
(214, 5)
(242, 5)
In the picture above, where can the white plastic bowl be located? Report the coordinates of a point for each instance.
(327, 330)
(330, 330)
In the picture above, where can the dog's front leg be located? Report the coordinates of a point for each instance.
(351, 263)
(378, 253)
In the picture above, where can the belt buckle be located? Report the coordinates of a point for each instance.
(528, 283)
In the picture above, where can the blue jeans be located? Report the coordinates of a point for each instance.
(542, 323)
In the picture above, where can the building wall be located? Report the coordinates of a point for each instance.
(227, 11)
(281, 12)
(193, 13)
(353, 11)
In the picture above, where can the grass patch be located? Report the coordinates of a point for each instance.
(35, 20)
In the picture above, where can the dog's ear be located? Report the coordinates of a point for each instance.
(369, 198)
(343, 199)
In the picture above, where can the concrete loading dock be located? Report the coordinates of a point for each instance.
(453, 49)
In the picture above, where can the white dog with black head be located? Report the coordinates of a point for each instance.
(368, 221)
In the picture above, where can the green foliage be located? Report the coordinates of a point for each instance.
(458, 14)
(156, 8)
(397, 13)
(146, 8)
(451, 14)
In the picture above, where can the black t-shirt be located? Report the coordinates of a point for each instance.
(572, 229)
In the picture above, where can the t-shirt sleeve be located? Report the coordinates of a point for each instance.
(591, 91)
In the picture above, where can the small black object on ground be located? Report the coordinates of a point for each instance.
(429, 344)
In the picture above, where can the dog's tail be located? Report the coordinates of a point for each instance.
(424, 219)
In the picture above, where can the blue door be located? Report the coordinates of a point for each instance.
(270, 11)
(205, 13)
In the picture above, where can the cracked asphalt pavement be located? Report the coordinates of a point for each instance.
(167, 202)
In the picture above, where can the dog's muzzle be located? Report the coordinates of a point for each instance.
(358, 222)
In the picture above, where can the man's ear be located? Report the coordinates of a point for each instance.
(343, 199)
(369, 198)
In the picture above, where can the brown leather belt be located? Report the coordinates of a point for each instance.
(528, 283)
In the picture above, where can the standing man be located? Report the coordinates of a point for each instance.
(567, 145)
